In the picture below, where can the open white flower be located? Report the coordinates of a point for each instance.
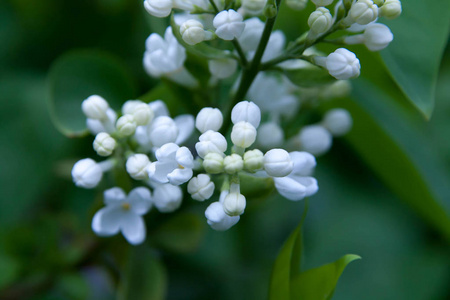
(123, 213)
(298, 184)
(174, 165)
(216, 216)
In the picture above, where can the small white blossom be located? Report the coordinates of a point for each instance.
(315, 139)
(193, 32)
(167, 197)
(137, 165)
(104, 144)
(213, 163)
(86, 173)
(246, 111)
(253, 160)
(108, 125)
(229, 24)
(163, 130)
(391, 9)
(209, 119)
(234, 204)
(320, 21)
(277, 163)
(270, 135)
(95, 107)
(341, 64)
(376, 37)
(222, 68)
(211, 141)
(251, 35)
(126, 125)
(159, 108)
(141, 111)
(123, 213)
(253, 7)
(174, 165)
(201, 187)
(338, 121)
(243, 134)
(185, 125)
(216, 216)
(298, 184)
(233, 163)
(363, 12)
(158, 8)
(322, 2)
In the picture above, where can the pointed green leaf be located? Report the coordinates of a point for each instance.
(79, 74)
(144, 278)
(413, 58)
(201, 49)
(319, 283)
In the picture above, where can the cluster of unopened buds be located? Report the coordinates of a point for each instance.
(157, 151)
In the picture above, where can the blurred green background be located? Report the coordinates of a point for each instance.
(384, 189)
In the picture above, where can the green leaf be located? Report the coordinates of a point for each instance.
(310, 76)
(387, 142)
(145, 277)
(413, 58)
(287, 263)
(9, 269)
(201, 49)
(255, 187)
(181, 233)
(79, 74)
(319, 283)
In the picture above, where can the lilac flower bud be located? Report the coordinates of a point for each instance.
(229, 24)
(104, 144)
(277, 163)
(86, 173)
(209, 119)
(201, 187)
(95, 107)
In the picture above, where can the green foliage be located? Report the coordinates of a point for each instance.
(310, 76)
(413, 58)
(79, 74)
(144, 278)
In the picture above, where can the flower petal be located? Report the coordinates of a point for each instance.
(133, 228)
(114, 195)
(218, 219)
(140, 200)
(289, 188)
(184, 158)
(185, 124)
(167, 152)
(180, 176)
(106, 221)
(158, 171)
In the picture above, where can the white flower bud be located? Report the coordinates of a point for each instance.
(377, 36)
(341, 64)
(243, 134)
(253, 7)
(95, 107)
(104, 144)
(86, 173)
(315, 139)
(158, 8)
(192, 32)
(159, 108)
(277, 163)
(201, 187)
(209, 119)
(222, 68)
(213, 163)
(234, 204)
(107, 125)
(246, 111)
(322, 2)
(391, 9)
(229, 24)
(218, 219)
(253, 160)
(270, 135)
(363, 12)
(211, 141)
(297, 4)
(338, 121)
(137, 166)
(167, 197)
(320, 20)
(126, 125)
(141, 111)
(163, 130)
(233, 163)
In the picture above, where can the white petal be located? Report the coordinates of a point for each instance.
(158, 171)
(185, 124)
(167, 197)
(290, 189)
(218, 219)
(184, 158)
(106, 221)
(167, 152)
(304, 163)
(140, 200)
(133, 228)
(113, 195)
(180, 176)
